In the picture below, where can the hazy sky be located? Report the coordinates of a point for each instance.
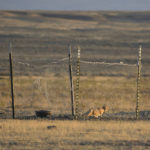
(76, 4)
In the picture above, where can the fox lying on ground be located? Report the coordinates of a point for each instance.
(96, 112)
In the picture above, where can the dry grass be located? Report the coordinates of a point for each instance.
(53, 93)
(71, 135)
(40, 37)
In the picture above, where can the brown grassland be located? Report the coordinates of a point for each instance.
(53, 93)
(39, 39)
(72, 135)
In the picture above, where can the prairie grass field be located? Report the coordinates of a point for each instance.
(71, 135)
(40, 41)
(53, 93)
(42, 37)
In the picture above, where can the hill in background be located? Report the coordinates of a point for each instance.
(42, 37)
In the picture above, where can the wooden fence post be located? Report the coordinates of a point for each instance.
(71, 81)
(138, 81)
(11, 80)
(77, 84)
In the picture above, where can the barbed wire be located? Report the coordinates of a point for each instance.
(61, 60)
(105, 63)
(82, 61)
(31, 65)
(23, 63)
(20, 62)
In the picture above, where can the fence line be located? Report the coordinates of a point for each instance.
(27, 64)
(105, 63)
(81, 61)
(138, 65)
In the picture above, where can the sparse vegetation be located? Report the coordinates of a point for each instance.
(40, 38)
(52, 93)
(69, 135)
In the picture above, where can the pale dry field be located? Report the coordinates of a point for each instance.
(53, 93)
(41, 37)
(73, 135)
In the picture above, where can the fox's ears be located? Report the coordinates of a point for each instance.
(104, 107)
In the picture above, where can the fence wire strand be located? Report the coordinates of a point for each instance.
(82, 61)
(105, 63)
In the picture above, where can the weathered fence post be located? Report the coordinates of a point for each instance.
(77, 84)
(71, 81)
(11, 80)
(138, 82)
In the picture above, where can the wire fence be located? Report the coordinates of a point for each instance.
(43, 83)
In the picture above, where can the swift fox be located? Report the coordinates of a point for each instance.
(97, 112)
